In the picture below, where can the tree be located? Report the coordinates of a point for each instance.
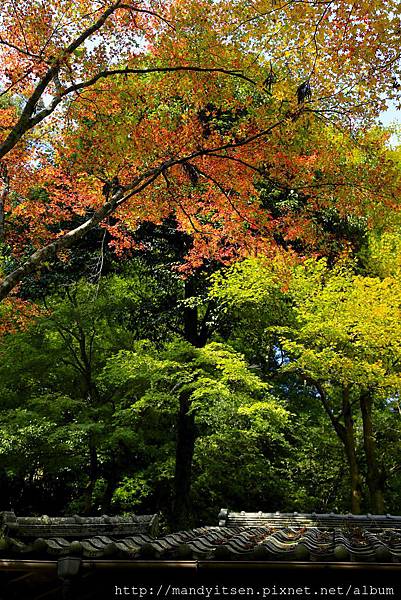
(341, 337)
(83, 66)
(50, 396)
(212, 384)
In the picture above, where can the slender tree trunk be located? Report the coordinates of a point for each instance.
(186, 437)
(4, 191)
(346, 434)
(349, 444)
(375, 478)
(93, 474)
(186, 427)
(92, 397)
(111, 483)
(190, 315)
(2, 232)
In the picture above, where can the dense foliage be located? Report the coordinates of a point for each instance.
(200, 257)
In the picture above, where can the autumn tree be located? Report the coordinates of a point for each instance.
(122, 115)
(116, 109)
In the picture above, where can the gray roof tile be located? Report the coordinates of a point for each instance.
(244, 536)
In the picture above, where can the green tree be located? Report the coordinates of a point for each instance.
(49, 392)
(211, 385)
(341, 337)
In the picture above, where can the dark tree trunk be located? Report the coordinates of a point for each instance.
(111, 483)
(345, 433)
(2, 233)
(190, 315)
(93, 473)
(186, 426)
(4, 191)
(92, 396)
(350, 450)
(186, 437)
(375, 477)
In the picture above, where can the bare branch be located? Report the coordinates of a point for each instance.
(314, 38)
(77, 87)
(237, 160)
(18, 49)
(226, 195)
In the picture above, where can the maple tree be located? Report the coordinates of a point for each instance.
(338, 332)
(348, 349)
(90, 396)
(242, 126)
(140, 110)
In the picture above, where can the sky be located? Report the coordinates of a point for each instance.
(391, 116)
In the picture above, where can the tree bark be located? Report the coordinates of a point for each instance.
(111, 477)
(186, 426)
(350, 450)
(345, 433)
(4, 191)
(93, 473)
(186, 437)
(375, 477)
(91, 394)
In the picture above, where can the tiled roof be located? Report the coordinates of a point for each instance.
(278, 519)
(76, 527)
(349, 539)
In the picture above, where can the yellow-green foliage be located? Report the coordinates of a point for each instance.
(383, 254)
(217, 380)
(348, 327)
(338, 327)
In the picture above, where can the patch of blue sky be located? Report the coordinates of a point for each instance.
(392, 118)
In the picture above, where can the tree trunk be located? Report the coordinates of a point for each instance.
(186, 427)
(4, 191)
(111, 484)
(186, 437)
(349, 444)
(375, 478)
(93, 473)
(346, 434)
(190, 315)
(2, 231)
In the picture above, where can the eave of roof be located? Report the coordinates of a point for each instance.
(240, 537)
(93, 565)
(247, 543)
(77, 527)
(295, 519)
